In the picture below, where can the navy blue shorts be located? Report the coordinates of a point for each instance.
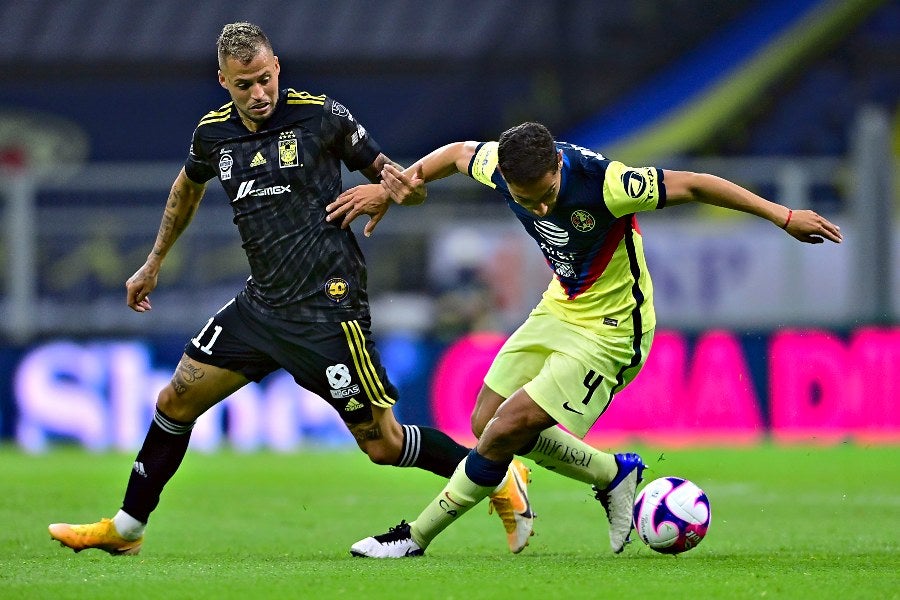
(337, 361)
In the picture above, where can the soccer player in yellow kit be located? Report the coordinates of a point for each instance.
(590, 334)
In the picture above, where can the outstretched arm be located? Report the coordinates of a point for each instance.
(375, 173)
(445, 161)
(184, 198)
(805, 225)
(405, 187)
(373, 205)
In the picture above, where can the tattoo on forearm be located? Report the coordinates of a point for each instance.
(164, 234)
(174, 199)
(177, 216)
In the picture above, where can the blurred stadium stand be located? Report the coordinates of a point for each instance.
(415, 72)
(808, 112)
(119, 85)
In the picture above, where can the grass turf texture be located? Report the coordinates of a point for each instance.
(787, 523)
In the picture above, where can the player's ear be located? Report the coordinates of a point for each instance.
(277, 65)
(222, 79)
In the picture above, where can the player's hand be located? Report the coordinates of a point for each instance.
(408, 191)
(371, 199)
(139, 286)
(812, 228)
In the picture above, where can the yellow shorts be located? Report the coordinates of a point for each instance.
(568, 371)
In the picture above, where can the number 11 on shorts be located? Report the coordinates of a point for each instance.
(207, 349)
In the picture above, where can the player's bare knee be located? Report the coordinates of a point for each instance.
(168, 403)
(175, 406)
(486, 405)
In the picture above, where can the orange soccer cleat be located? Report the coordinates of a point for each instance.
(101, 535)
(512, 505)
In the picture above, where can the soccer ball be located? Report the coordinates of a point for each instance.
(671, 515)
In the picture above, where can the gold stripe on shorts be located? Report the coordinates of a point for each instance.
(369, 377)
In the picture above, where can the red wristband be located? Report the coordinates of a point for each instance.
(790, 214)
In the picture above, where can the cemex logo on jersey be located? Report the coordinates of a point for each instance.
(246, 189)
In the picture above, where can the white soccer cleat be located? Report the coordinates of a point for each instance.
(396, 543)
(618, 498)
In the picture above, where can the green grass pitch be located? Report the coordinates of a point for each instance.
(797, 522)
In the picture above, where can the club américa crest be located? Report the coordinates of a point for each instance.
(583, 221)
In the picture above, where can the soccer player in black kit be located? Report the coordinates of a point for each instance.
(304, 308)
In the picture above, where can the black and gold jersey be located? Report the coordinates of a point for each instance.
(279, 180)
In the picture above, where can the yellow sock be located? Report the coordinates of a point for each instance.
(458, 496)
(565, 454)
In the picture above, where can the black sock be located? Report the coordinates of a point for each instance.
(431, 450)
(164, 448)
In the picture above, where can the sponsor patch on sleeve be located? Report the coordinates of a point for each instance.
(340, 110)
(629, 190)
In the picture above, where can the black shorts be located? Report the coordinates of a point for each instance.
(337, 361)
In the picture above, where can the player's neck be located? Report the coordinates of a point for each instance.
(252, 126)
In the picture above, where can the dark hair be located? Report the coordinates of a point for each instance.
(242, 41)
(526, 153)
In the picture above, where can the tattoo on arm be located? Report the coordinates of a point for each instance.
(176, 217)
(164, 234)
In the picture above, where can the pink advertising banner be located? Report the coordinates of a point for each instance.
(815, 387)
